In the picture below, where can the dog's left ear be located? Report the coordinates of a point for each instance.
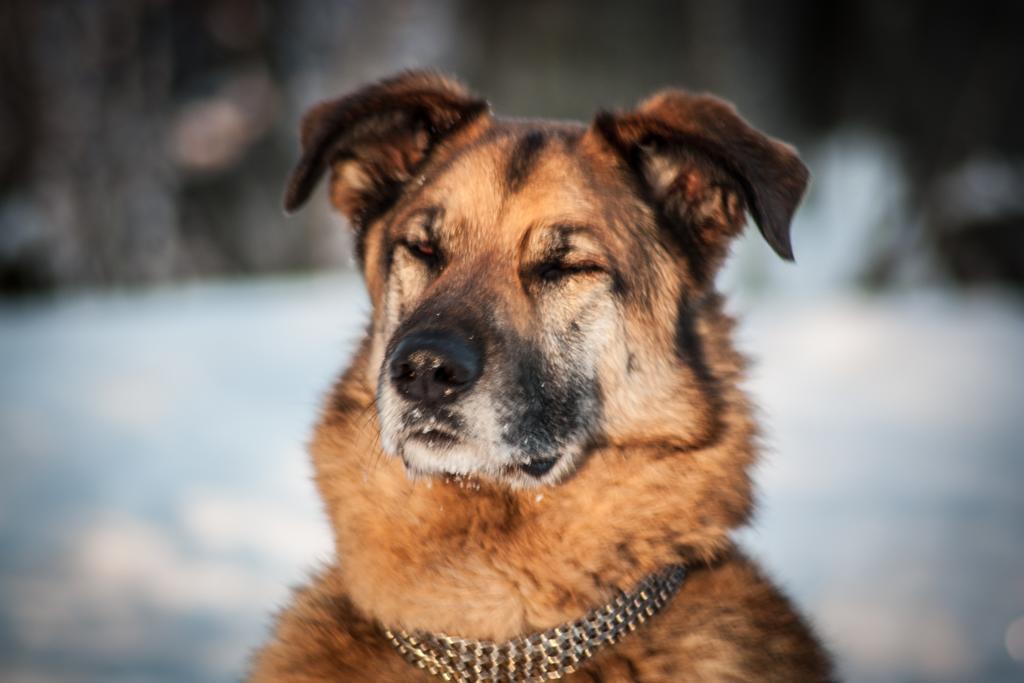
(374, 139)
(703, 165)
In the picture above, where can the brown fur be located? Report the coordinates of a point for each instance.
(659, 474)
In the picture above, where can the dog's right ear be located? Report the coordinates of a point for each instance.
(704, 164)
(375, 139)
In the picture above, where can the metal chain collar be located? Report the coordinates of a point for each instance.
(544, 656)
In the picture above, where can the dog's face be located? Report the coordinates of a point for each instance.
(535, 285)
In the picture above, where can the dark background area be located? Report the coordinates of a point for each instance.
(147, 141)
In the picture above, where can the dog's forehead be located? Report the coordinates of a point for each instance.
(520, 179)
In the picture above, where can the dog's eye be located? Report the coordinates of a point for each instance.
(424, 251)
(554, 271)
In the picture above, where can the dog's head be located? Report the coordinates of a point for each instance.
(537, 286)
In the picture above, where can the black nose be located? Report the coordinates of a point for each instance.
(432, 367)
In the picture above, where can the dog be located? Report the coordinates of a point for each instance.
(535, 460)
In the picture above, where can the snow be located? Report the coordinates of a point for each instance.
(142, 540)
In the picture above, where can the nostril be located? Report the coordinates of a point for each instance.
(451, 375)
(402, 372)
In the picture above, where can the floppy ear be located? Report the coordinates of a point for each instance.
(703, 164)
(375, 139)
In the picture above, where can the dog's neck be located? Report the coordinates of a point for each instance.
(471, 559)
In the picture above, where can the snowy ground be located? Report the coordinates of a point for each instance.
(143, 540)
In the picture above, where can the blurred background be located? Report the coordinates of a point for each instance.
(166, 334)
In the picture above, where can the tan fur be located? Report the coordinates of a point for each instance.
(665, 481)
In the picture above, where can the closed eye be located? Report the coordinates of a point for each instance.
(553, 271)
(424, 251)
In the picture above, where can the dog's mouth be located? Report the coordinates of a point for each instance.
(439, 437)
(442, 442)
(435, 437)
(537, 467)
(442, 439)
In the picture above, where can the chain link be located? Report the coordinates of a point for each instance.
(544, 656)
